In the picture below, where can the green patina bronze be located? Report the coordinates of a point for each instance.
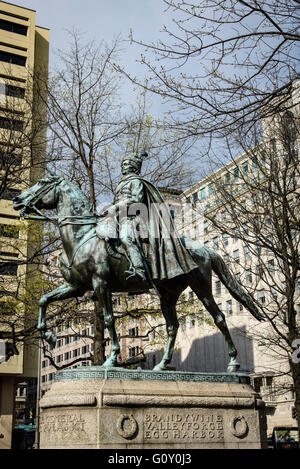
(103, 256)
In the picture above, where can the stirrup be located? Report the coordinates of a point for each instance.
(135, 273)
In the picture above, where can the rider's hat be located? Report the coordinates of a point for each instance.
(135, 159)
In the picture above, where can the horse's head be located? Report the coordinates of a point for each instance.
(42, 195)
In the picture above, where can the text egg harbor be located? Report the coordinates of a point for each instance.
(192, 426)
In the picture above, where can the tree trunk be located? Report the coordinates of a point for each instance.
(99, 345)
(295, 368)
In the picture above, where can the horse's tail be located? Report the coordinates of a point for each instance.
(230, 282)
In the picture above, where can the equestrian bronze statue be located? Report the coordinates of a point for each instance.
(125, 251)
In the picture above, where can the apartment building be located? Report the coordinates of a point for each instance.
(24, 49)
(237, 212)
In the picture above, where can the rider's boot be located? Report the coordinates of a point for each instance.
(137, 267)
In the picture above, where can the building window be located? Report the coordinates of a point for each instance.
(216, 242)
(12, 58)
(261, 297)
(249, 277)
(133, 332)
(203, 193)
(8, 268)
(205, 227)
(10, 194)
(271, 267)
(229, 307)
(67, 355)
(211, 190)
(13, 91)
(236, 255)
(85, 349)
(8, 159)
(133, 352)
(227, 178)
(235, 235)
(236, 172)
(11, 124)
(260, 271)
(239, 307)
(76, 352)
(195, 197)
(218, 287)
(245, 167)
(225, 239)
(257, 384)
(246, 252)
(192, 321)
(274, 291)
(9, 231)
(238, 277)
(245, 228)
(191, 297)
(183, 323)
(226, 259)
(13, 27)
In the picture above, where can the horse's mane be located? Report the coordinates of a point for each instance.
(80, 196)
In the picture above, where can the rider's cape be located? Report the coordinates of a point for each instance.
(168, 256)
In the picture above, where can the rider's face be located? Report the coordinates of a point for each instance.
(127, 167)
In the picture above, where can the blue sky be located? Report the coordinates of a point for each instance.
(103, 20)
(99, 20)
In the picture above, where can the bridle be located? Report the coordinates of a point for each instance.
(30, 205)
(60, 221)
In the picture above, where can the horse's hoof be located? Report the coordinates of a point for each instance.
(109, 363)
(163, 368)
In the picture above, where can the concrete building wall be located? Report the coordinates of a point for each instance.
(24, 49)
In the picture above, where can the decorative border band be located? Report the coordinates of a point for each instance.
(96, 372)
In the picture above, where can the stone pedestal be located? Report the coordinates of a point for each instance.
(124, 409)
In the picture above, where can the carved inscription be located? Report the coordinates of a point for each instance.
(191, 426)
(62, 426)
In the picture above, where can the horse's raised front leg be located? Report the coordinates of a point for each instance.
(104, 297)
(168, 308)
(63, 292)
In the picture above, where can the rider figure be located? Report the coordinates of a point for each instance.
(130, 190)
(168, 257)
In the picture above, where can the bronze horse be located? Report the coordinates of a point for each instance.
(87, 265)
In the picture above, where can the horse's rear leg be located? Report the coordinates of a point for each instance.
(168, 308)
(220, 322)
(63, 292)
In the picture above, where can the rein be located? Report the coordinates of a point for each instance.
(31, 204)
